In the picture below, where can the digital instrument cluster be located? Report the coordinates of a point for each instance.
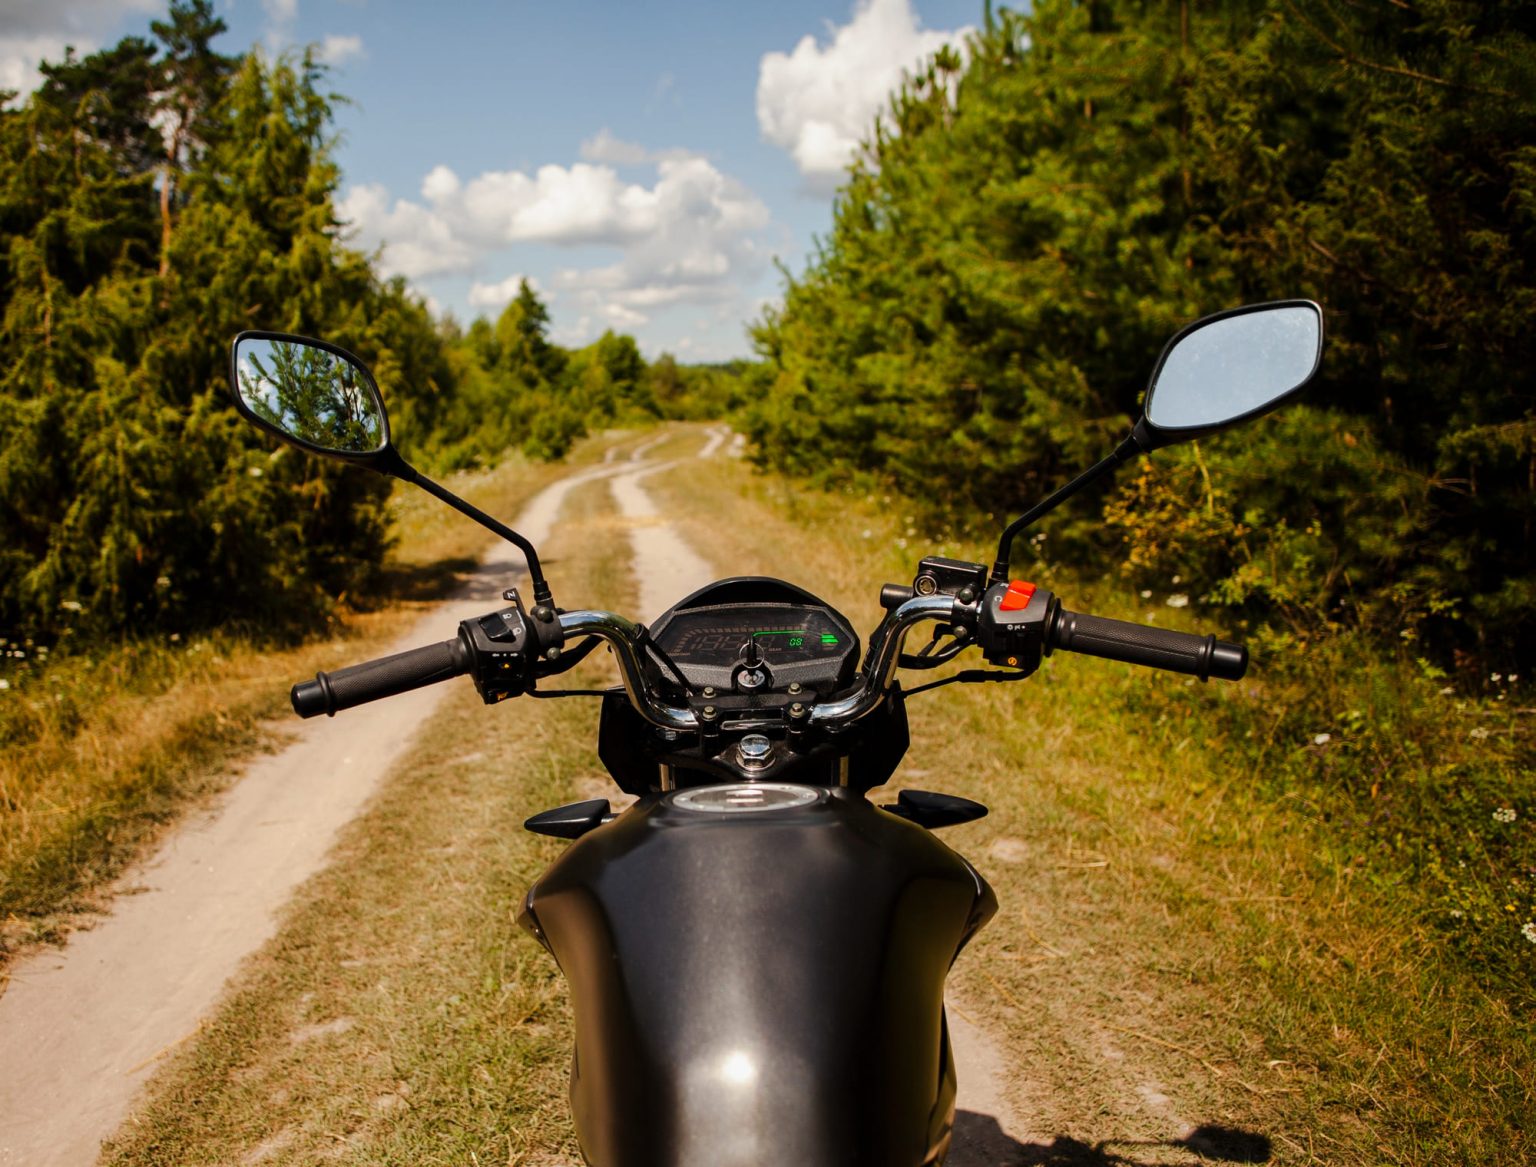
(726, 645)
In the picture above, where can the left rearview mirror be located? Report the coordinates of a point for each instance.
(310, 393)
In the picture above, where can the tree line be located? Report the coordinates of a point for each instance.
(156, 198)
(1028, 225)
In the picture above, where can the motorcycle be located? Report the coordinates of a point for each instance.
(755, 951)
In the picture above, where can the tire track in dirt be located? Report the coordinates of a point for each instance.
(82, 1028)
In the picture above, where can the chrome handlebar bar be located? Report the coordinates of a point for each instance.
(880, 662)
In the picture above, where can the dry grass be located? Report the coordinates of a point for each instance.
(101, 752)
(1177, 947)
(1181, 943)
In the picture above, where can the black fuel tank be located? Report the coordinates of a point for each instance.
(757, 975)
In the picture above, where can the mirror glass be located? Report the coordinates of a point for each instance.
(312, 394)
(1234, 366)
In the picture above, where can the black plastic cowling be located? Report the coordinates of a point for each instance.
(1137, 644)
(329, 693)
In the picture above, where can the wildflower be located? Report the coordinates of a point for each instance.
(4, 684)
(163, 581)
(1513, 677)
(868, 534)
(1505, 814)
(1146, 595)
(175, 636)
(1447, 691)
(255, 472)
(1496, 678)
(1456, 913)
(1479, 734)
(1529, 931)
(1322, 739)
(1178, 601)
(1178, 579)
(72, 606)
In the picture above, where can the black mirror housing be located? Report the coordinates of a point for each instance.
(312, 394)
(1229, 368)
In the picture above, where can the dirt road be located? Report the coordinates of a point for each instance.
(82, 1028)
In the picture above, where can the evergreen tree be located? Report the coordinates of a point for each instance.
(1020, 237)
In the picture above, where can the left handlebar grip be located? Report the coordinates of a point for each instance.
(329, 693)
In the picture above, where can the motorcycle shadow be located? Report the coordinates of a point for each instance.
(980, 1142)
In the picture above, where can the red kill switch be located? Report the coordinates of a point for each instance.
(1017, 596)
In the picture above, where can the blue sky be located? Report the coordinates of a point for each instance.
(643, 164)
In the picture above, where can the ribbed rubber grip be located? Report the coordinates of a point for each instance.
(330, 692)
(1137, 644)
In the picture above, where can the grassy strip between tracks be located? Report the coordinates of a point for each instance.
(1183, 944)
(101, 751)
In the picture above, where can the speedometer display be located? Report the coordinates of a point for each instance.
(781, 635)
(752, 635)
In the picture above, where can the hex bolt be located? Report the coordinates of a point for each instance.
(797, 710)
(707, 713)
(794, 687)
(708, 691)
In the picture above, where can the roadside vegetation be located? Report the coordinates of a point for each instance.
(104, 749)
(1128, 167)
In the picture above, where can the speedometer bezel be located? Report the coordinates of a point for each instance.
(772, 597)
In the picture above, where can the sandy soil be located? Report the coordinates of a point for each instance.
(89, 1022)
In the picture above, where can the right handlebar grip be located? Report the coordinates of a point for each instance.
(358, 684)
(1137, 644)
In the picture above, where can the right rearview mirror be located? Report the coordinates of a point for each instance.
(1230, 367)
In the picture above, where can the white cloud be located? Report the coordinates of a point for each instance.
(337, 50)
(32, 31)
(818, 102)
(281, 11)
(494, 297)
(701, 246)
(416, 243)
(604, 147)
(689, 237)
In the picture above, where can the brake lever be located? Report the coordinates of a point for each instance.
(926, 658)
(568, 660)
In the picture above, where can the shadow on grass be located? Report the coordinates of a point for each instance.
(980, 1142)
(423, 582)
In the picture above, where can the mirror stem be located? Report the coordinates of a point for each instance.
(1127, 449)
(398, 467)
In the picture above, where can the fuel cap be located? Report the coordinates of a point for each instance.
(745, 798)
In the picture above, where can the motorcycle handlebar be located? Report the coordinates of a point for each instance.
(329, 693)
(1182, 652)
(1137, 644)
